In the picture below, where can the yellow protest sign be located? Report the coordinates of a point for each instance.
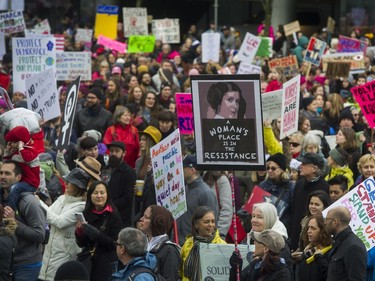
(106, 21)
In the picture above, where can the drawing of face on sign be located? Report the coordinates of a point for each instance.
(226, 100)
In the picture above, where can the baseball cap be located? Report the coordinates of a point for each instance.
(272, 239)
(190, 161)
(312, 158)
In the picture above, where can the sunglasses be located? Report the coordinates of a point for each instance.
(272, 168)
(294, 144)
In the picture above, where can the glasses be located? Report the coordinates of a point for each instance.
(294, 144)
(118, 244)
(272, 168)
(326, 219)
(355, 115)
(91, 97)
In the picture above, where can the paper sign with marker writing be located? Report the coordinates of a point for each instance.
(70, 65)
(365, 96)
(112, 44)
(248, 68)
(360, 202)
(84, 34)
(290, 107)
(135, 21)
(210, 46)
(168, 173)
(350, 45)
(249, 48)
(288, 64)
(141, 44)
(166, 30)
(184, 108)
(271, 104)
(41, 94)
(31, 55)
(12, 22)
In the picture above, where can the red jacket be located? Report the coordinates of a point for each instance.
(127, 134)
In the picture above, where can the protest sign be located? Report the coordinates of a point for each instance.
(68, 115)
(2, 45)
(210, 46)
(141, 44)
(331, 25)
(290, 107)
(214, 260)
(167, 166)
(42, 28)
(106, 21)
(4, 5)
(351, 45)
(184, 108)
(135, 21)
(12, 22)
(112, 44)
(356, 59)
(6, 98)
(365, 96)
(69, 65)
(271, 105)
(30, 56)
(338, 69)
(84, 35)
(360, 202)
(17, 5)
(166, 30)
(248, 68)
(288, 64)
(314, 51)
(291, 28)
(249, 47)
(41, 94)
(265, 47)
(228, 121)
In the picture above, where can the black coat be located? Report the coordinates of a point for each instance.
(348, 257)
(105, 252)
(299, 206)
(121, 189)
(314, 271)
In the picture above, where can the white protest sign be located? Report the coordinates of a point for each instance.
(360, 202)
(290, 107)
(167, 166)
(271, 104)
(249, 48)
(135, 21)
(166, 30)
(42, 28)
(18, 5)
(2, 45)
(84, 34)
(31, 55)
(210, 46)
(215, 259)
(41, 93)
(3, 5)
(248, 68)
(69, 65)
(12, 22)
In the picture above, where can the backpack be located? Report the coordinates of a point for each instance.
(142, 269)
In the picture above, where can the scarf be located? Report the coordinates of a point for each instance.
(192, 268)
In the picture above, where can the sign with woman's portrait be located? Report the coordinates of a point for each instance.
(228, 122)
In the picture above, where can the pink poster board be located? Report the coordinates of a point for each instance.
(364, 95)
(184, 108)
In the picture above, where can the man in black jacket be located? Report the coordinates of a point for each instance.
(348, 257)
(311, 180)
(121, 180)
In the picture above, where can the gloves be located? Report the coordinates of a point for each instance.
(91, 231)
(236, 260)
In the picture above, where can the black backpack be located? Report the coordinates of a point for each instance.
(141, 269)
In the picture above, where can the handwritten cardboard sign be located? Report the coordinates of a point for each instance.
(135, 21)
(291, 28)
(210, 46)
(288, 64)
(141, 44)
(356, 59)
(31, 55)
(271, 104)
(314, 51)
(12, 22)
(360, 202)
(290, 107)
(70, 65)
(249, 48)
(167, 30)
(111, 44)
(365, 96)
(41, 93)
(168, 171)
(184, 107)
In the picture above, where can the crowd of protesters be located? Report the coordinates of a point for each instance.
(129, 106)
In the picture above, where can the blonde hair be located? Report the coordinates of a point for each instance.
(364, 159)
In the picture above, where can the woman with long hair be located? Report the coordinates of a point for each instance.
(103, 223)
(150, 108)
(332, 111)
(124, 131)
(135, 97)
(113, 96)
(203, 230)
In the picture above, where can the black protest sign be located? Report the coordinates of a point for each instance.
(69, 113)
(228, 122)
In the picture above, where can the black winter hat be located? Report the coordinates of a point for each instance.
(72, 270)
(346, 114)
(306, 102)
(97, 92)
(161, 220)
(279, 159)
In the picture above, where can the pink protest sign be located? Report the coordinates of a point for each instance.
(365, 96)
(350, 45)
(112, 44)
(290, 107)
(184, 107)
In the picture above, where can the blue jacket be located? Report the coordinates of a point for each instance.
(149, 261)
